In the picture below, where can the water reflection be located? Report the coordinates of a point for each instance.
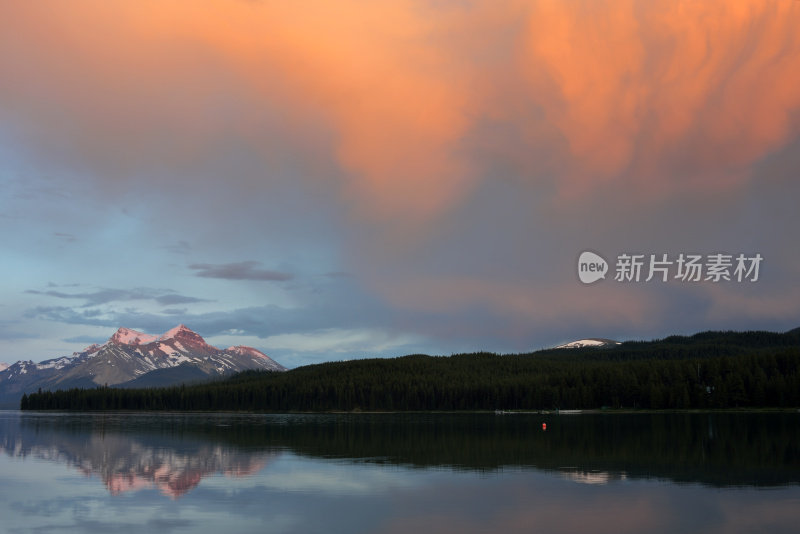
(592, 477)
(129, 452)
(174, 452)
(391, 474)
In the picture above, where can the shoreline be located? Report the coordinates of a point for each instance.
(592, 411)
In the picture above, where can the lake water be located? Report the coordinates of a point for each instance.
(399, 473)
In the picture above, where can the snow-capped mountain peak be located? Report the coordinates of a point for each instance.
(176, 356)
(126, 336)
(181, 329)
(589, 342)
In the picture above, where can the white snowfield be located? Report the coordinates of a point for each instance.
(589, 342)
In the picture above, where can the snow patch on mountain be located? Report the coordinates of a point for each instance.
(589, 342)
(91, 349)
(250, 351)
(126, 336)
(256, 356)
(166, 349)
(57, 363)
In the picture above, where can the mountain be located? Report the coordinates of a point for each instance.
(589, 342)
(132, 359)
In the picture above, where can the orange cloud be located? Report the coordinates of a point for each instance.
(665, 95)
(371, 72)
(662, 94)
(394, 98)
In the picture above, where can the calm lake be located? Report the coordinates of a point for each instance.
(399, 473)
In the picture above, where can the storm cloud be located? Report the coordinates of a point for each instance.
(454, 159)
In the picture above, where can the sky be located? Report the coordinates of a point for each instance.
(336, 180)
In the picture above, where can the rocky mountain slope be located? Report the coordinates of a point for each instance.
(134, 359)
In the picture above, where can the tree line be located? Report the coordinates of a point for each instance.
(705, 371)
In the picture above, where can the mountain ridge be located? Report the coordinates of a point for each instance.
(127, 358)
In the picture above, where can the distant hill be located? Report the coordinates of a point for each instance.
(707, 370)
(132, 359)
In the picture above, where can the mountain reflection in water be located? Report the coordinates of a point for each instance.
(129, 452)
(174, 452)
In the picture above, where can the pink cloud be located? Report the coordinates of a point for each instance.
(665, 96)
(377, 103)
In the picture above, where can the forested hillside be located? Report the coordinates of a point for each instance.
(707, 370)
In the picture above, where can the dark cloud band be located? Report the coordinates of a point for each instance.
(245, 270)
